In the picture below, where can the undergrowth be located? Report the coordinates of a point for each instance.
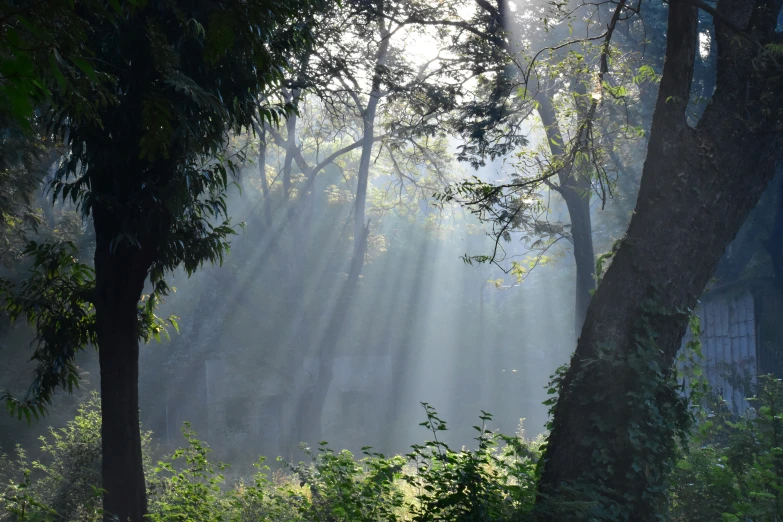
(731, 470)
(493, 482)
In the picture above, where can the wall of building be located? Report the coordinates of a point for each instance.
(231, 410)
(728, 347)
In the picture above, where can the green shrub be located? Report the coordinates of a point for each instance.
(18, 499)
(494, 482)
(733, 468)
(63, 484)
(187, 486)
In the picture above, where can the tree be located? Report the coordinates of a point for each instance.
(614, 423)
(526, 72)
(24, 164)
(378, 101)
(43, 47)
(147, 167)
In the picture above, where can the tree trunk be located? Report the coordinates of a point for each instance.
(120, 273)
(123, 475)
(262, 175)
(291, 148)
(313, 400)
(577, 200)
(290, 151)
(369, 133)
(575, 190)
(315, 397)
(363, 178)
(613, 431)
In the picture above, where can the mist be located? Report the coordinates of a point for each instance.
(424, 326)
(391, 260)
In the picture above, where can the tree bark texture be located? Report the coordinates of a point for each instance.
(609, 444)
(120, 272)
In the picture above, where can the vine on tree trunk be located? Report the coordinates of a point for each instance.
(633, 416)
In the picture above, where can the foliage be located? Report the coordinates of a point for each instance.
(19, 503)
(629, 434)
(22, 167)
(63, 483)
(54, 299)
(191, 492)
(57, 300)
(483, 485)
(71, 465)
(732, 468)
(341, 488)
(45, 48)
(167, 82)
(492, 483)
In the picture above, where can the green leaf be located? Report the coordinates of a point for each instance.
(86, 68)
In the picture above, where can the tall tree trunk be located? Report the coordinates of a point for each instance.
(368, 118)
(123, 475)
(262, 175)
(120, 273)
(314, 399)
(293, 97)
(363, 178)
(576, 196)
(573, 187)
(290, 152)
(614, 423)
(312, 402)
(575, 190)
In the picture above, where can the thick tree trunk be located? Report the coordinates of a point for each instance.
(123, 475)
(614, 423)
(575, 190)
(120, 273)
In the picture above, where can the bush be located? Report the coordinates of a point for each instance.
(733, 468)
(64, 483)
(492, 483)
(18, 501)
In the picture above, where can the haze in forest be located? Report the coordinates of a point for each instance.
(545, 237)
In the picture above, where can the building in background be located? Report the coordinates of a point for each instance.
(741, 337)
